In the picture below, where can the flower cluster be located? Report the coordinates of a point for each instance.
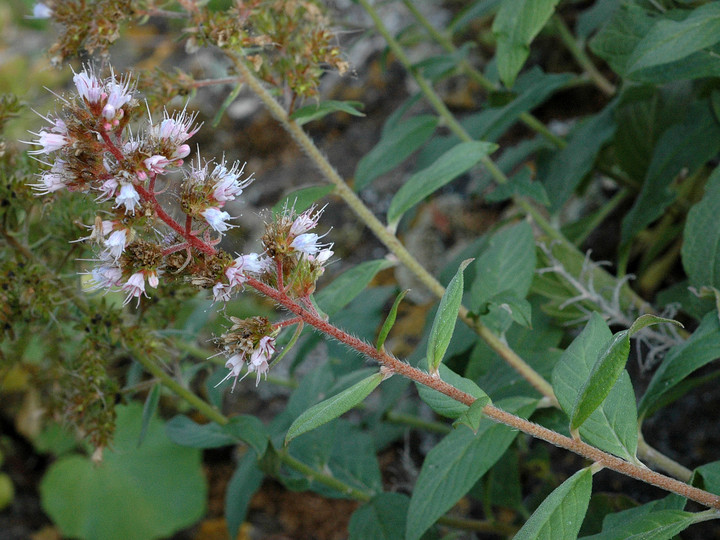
(249, 342)
(89, 148)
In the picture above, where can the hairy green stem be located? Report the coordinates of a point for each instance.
(582, 58)
(444, 41)
(382, 233)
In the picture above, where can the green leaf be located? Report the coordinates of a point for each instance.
(445, 319)
(453, 466)
(473, 415)
(348, 285)
(669, 40)
(444, 405)
(381, 518)
(333, 407)
(244, 428)
(313, 112)
(149, 409)
(506, 266)
(302, 199)
(630, 24)
(607, 369)
(680, 361)
(389, 321)
(245, 481)
(565, 170)
(561, 514)
(707, 477)
(225, 104)
(612, 427)
(518, 309)
(521, 185)
(394, 147)
(449, 166)
(127, 494)
(687, 145)
(660, 525)
(701, 238)
(516, 25)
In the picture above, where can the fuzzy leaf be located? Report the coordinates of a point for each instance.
(389, 320)
(396, 144)
(701, 238)
(449, 166)
(381, 518)
(333, 407)
(149, 409)
(473, 415)
(245, 481)
(444, 405)
(445, 319)
(456, 463)
(612, 427)
(244, 428)
(561, 514)
(348, 285)
(516, 25)
(671, 40)
(314, 112)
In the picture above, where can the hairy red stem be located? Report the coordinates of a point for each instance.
(538, 431)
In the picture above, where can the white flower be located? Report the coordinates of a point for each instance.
(156, 164)
(88, 86)
(234, 364)
(221, 292)
(41, 11)
(260, 356)
(116, 242)
(176, 129)
(306, 221)
(323, 256)
(49, 141)
(107, 189)
(308, 243)
(153, 279)
(216, 218)
(227, 182)
(134, 286)
(118, 95)
(53, 180)
(127, 197)
(105, 276)
(251, 263)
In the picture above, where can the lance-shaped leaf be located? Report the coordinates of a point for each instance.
(445, 319)
(607, 370)
(389, 321)
(445, 405)
(313, 112)
(456, 161)
(333, 407)
(472, 416)
(396, 144)
(560, 515)
(348, 285)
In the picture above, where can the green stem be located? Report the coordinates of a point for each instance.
(446, 43)
(417, 423)
(582, 58)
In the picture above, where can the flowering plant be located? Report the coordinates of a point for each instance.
(536, 339)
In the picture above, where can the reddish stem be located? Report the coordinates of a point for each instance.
(540, 432)
(148, 196)
(288, 322)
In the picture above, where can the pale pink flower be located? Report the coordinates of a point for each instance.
(308, 243)
(156, 164)
(252, 263)
(115, 243)
(118, 95)
(222, 292)
(216, 218)
(41, 11)
(176, 129)
(53, 180)
(128, 197)
(107, 189)
(49, 141)
(260, 356)
(227, 182)
(134, 287)
(153, 279)
(234, 364)
(88, 86)
(105, 276)
(306, 221)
